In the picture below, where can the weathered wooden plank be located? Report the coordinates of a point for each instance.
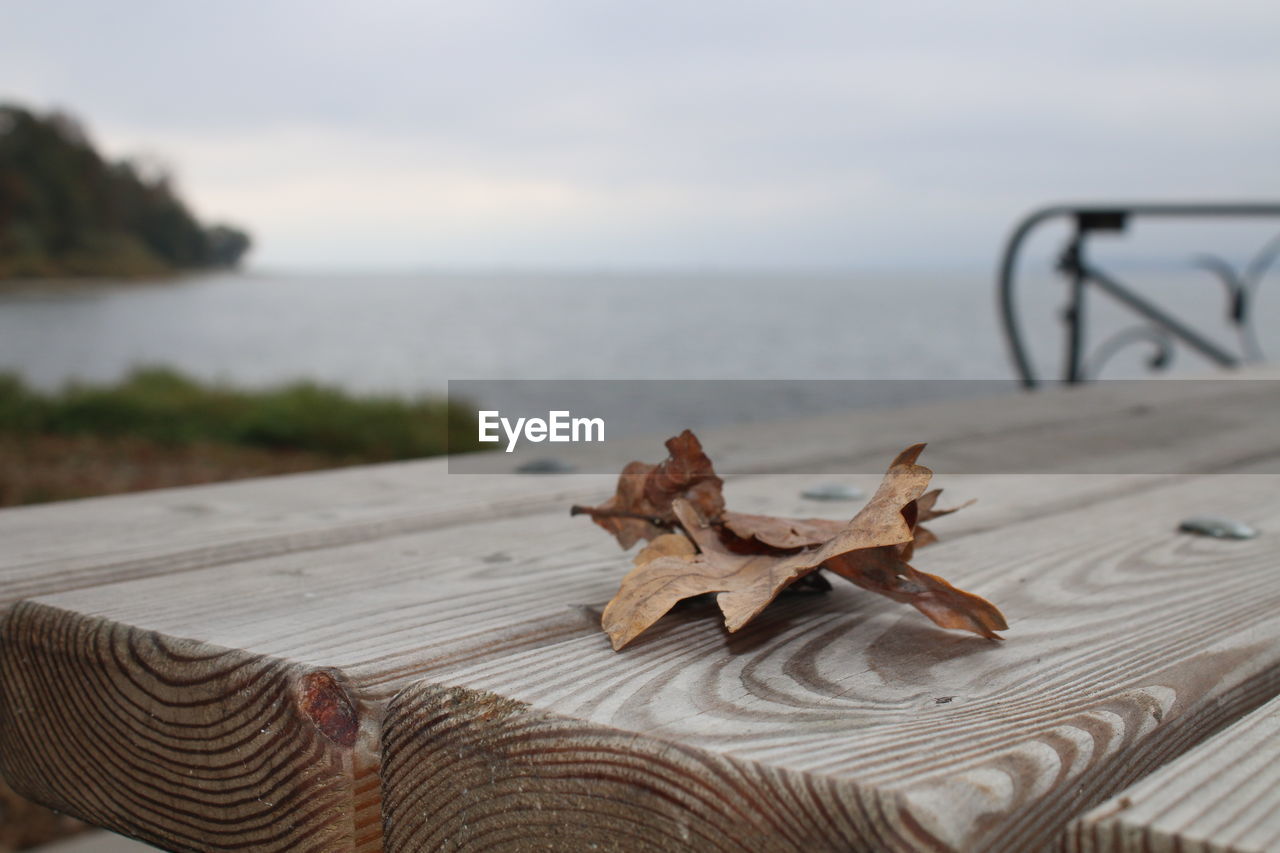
(511, 607)
(82, 543)
(73, 544)
(384, 612)
(841, 723)
(445, 596)
(1221, 797)
(227, 604)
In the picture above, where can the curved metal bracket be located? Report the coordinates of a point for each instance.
(1084, 275)
(1162, 348)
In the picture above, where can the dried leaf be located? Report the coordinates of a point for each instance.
(666, 545)
(748, 582)
(926, 510)
(884, 570)
(784, 534)
(655, 585)
(928, 506)
(788, 534)
(749, 559)
(641, 506)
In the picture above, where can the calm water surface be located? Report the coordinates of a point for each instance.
(412, 333)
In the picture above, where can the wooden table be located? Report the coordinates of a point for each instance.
(395, 658)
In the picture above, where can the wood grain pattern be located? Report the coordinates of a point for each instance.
(383, 613)
(300, 600)
(84, 543)
(391, 609)
(1128, 644)
(180, 743)
(1221, 797)
(504, 776)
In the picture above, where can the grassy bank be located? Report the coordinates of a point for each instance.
(159, 428)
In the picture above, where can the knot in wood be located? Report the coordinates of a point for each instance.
(326, 704)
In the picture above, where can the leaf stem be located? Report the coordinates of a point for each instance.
(598, 512)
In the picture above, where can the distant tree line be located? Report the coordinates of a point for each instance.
(65, 210)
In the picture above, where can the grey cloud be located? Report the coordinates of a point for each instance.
(986, 107)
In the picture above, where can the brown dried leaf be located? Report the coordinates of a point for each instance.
(641, 506)
(655, 585)
(666, 545)
(925, 509)
(749, 559)
(927, 506)
(789, 534)
(784, 534)
(884, 570)
(746, 583)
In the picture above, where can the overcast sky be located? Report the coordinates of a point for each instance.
(701, 133)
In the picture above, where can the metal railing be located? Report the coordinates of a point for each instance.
(1160, 328)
